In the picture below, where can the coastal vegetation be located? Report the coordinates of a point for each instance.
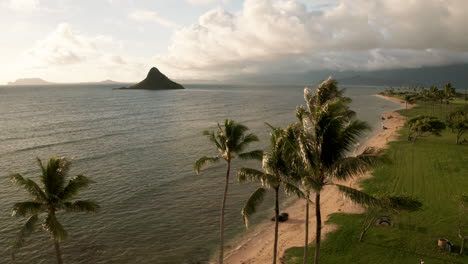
(424, 125)
(329, 131)
(410, 202)
(433, 172)
(458, 123)
(230, 141)
(276, 175)
(54, 196)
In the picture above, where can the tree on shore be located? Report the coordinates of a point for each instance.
(424, 125)
(409, 99)
(449, 92)
(388, 205)
(458, 122)
(53, 197)
(230, 141)
(275, 175)
(329, 132)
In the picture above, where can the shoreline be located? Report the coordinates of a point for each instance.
(256, 246)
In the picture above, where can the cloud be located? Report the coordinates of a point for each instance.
(24, 5)
(204, 2)
(63, 46)
(66, 54)
(284, 35)
(150, 16)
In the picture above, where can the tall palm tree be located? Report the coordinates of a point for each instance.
(275, 175)
(230, 141)
(329, 133)
(53, 197)
(326, 91)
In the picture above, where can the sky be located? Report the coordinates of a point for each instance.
(95, 40)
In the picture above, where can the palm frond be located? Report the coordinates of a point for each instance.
(203, 161)
(249, 138)
(359, 197)
(56, 172)
(250, 206)
(249, 175)
(292, 189)
(31, 187)
(25, 231)
(352, 132)
(52, 225)
(43, 169)
(402, 203)
(81, 206)
(350, 166)
(74, 186)
(234, 133)
(311, 182)
(251, 155)
(211, 136)
(27, 208)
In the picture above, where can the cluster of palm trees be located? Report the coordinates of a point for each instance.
(420, 93)
(303, 158)
(456, 120)
(45, 202)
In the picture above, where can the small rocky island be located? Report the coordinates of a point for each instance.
(30, 81)
(156, 80)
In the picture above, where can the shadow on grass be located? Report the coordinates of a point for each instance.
(342, 246)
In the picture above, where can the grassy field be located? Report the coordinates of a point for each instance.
(433, 170)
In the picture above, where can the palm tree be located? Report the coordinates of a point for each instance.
(275, 175)
(53, 197)
(230, 141)
(449, 92)
(329, 132)
(409, 99)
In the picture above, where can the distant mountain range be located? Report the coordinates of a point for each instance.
(426, 76)
(39, 81)
(30, 81)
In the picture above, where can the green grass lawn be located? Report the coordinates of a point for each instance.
(433, 170)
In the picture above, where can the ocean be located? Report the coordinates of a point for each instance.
(139, 147)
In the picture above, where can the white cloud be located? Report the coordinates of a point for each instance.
(65, 54)
(63, 46)
(204, 2)
(150, 16)
(284, 35)
(23, 5)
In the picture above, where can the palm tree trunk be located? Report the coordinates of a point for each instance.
(275, 246)
(462, 245)
(58, 253)
(221, 225)
(366, 227)
(319, 227)
(306, 240)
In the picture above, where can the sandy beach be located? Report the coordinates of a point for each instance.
(257, 245)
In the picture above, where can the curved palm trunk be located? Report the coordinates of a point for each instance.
(221, 225)
(275, 246)
(366, 227)
(319, 228)
(306, 240)
(58, 253)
